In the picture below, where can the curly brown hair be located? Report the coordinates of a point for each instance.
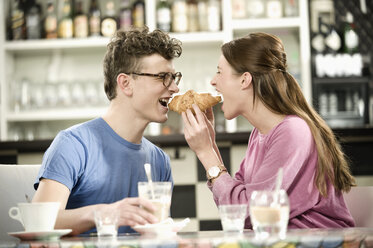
(127, 48)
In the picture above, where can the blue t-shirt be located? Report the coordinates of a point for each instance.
(98, 166)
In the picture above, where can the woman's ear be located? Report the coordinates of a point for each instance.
(246, 80)
(124, 84)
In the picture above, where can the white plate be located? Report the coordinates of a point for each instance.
(166, 227)
(54, 234)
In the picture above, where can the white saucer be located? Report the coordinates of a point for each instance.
(53, 234)
(166, 227)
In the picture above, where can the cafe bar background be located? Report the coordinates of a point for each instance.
(51, 54)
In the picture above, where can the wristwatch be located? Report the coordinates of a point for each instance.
(215, 171)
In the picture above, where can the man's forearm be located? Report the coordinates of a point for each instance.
(79, 220)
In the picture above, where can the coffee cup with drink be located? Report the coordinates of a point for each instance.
(37, 216)
(159, 193)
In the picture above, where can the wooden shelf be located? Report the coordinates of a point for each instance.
(266, 23)
(36, 45)
(56, 114)
(199, 37)
(99, 42)
(341, 80)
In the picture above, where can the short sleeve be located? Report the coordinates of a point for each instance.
(63, 161)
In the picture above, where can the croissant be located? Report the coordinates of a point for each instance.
(183, 102)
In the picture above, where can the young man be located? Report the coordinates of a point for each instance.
(97, 164)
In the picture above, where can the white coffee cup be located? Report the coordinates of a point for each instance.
(36, 217)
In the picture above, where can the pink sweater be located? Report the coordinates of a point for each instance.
(289, 145)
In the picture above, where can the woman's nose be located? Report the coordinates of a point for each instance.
(213, 83)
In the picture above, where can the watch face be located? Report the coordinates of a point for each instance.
(214, 171)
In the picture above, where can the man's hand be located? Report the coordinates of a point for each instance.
(134, 211)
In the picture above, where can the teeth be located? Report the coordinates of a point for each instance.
(164, 102)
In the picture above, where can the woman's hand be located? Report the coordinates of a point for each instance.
(197, 129)
(210, 121)
(200, 136)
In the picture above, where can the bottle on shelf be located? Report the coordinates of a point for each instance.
(17, 21)
(125, 15)
(213, 15)
(192, 13)
(80, 21)
(323, 103)
(65, 25)
(138, 13)
(94, 18)
(9, 22)
(238, 8)
(179, 16)
(333, 103)
(274, 9)
(33, 13)
(351, 39)
(333, 40)
(164, 15)
(109, 22)
(219, 121)
(291, 8)
(356, 102)
(318, 39)
(202, 15)
(50, 21)
(348, 101)
(255, 8)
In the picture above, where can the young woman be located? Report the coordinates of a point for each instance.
(253, 79)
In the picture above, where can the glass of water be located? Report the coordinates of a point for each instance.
(269, 213)
(233, 217)
(106, 223)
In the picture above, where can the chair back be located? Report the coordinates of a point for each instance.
(16, 181)
(360, 203)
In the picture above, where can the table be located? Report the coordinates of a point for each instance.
(301, 238)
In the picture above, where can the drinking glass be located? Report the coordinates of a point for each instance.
(106, 223)
(159, 193)
(233, 217)
(269, 213)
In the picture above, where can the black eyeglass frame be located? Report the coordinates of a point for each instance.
(176, 77)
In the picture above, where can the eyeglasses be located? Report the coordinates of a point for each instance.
(167, 77)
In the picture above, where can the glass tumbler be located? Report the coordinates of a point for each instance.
(269, 213)
(233, 217)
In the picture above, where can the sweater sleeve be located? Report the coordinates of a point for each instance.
(288, 145)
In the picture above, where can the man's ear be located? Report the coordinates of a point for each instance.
(124, 84)
(246, 80)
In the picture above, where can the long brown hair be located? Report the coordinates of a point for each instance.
(264, 57)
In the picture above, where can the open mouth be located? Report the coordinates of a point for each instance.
(163, 102)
